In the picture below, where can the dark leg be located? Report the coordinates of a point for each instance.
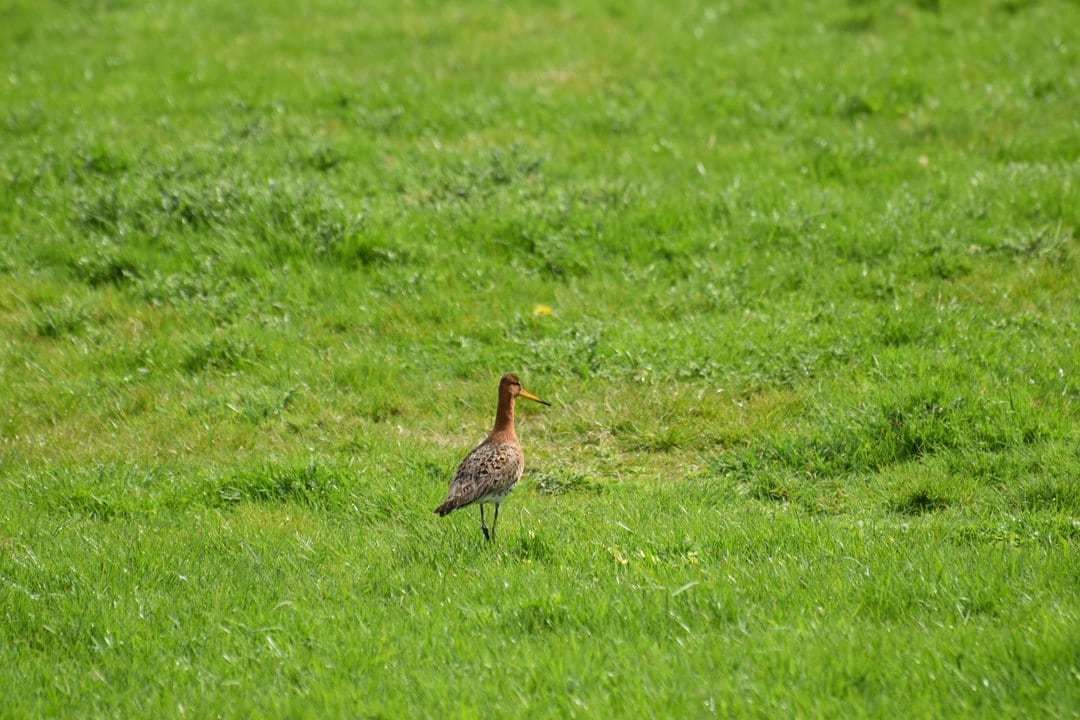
(495, 522)
(483, 524)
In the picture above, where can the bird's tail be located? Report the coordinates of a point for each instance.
(447, 507)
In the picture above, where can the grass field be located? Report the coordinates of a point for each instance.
(813, 346)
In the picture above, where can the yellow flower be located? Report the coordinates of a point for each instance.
(542, 310)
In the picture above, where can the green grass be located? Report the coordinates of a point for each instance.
(814, 358)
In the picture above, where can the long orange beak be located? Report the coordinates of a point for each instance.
(529, 396)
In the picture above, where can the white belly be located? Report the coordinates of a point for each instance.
(496, 497)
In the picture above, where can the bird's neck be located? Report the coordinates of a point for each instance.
(504, 420)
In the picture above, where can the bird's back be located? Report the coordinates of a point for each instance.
(486, 474)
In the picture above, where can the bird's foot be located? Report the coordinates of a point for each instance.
(487, 535)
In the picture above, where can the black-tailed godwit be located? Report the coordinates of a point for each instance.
(490, 471)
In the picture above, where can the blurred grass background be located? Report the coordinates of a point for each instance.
(813, 280)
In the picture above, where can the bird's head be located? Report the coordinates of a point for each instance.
(510, 385)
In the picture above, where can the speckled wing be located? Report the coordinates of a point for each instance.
(491, 469)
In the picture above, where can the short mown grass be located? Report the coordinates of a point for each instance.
(801, 281)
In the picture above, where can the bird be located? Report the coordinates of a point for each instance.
(490, 471)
